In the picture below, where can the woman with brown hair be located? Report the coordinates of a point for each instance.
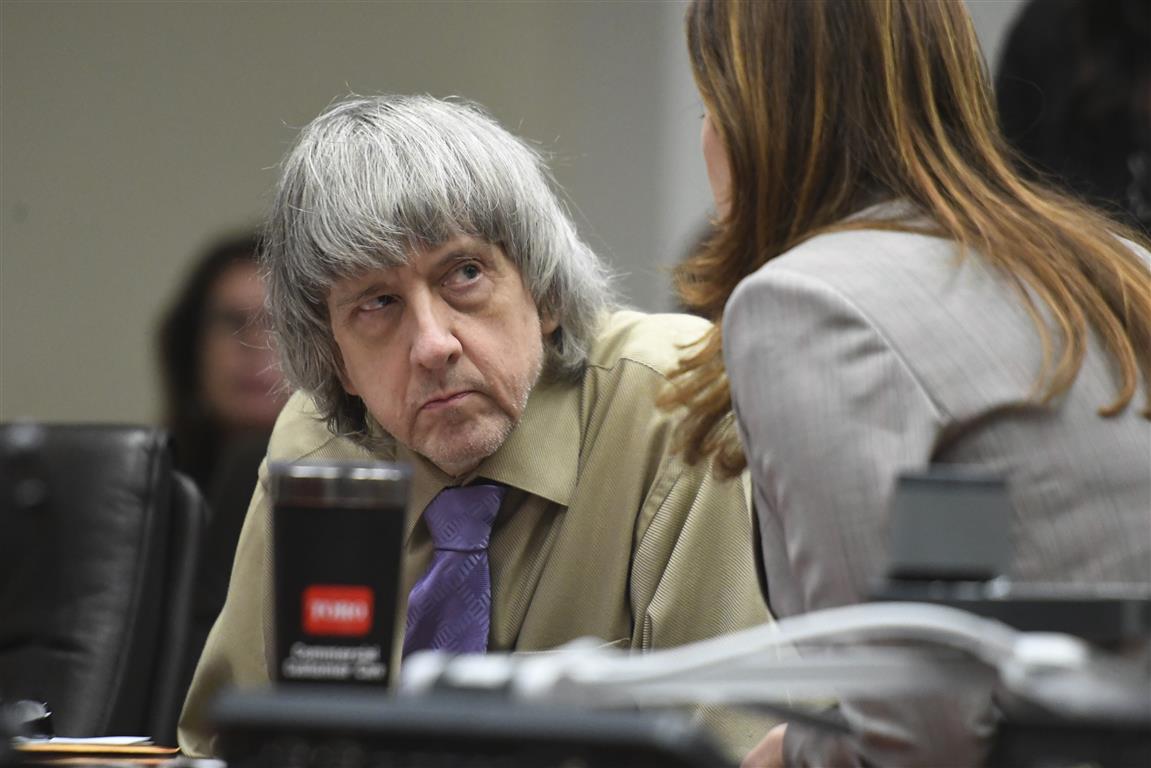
(893, 294)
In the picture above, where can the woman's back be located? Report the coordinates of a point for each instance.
(859, 354)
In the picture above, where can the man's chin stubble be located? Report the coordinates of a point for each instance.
(465, 458)
(464, 452)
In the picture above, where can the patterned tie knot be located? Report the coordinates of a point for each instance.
(460, 519)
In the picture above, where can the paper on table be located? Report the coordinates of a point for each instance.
(95, 741)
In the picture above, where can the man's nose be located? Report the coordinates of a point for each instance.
(435, 345)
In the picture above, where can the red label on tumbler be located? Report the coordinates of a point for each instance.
(344, 611)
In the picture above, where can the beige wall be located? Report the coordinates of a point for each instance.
(131, 133)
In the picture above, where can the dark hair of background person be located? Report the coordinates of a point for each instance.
(1073, 88)
(810, 141)
(222, 458)
(196, 433)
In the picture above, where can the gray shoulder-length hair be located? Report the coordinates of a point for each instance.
(372, 178)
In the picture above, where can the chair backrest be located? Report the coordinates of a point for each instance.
(99, 540)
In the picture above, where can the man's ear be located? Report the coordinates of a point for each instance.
(548, 322)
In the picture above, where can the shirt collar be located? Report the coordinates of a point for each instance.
(540, 456)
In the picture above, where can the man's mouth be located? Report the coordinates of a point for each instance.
(445, 401)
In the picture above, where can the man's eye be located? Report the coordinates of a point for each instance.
(465, 273)
(377, 303)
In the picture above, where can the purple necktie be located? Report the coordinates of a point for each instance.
(450, 607)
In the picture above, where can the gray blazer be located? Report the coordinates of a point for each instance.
(859, 354)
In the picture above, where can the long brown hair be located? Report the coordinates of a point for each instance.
(825, 106)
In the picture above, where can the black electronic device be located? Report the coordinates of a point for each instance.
(359, 728)
(950, 544)
(949, 522)
(338, 531)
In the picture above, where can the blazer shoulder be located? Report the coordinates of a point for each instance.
(959, 326)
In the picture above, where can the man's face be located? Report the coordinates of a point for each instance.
(443, 350)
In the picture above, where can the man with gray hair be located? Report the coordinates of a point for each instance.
(433, 304)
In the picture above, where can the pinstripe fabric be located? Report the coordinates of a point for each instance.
(857, 355)
(602, 532)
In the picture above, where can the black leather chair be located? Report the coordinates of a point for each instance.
(99, 543)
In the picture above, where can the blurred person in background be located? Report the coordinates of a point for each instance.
(222, 392)
(1074, 93)
(893, 294)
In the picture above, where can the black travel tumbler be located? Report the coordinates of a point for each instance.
(337, 538)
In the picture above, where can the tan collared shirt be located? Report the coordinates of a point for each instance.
(604, 532)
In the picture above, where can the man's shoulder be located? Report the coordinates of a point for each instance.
(301, 433)
(655, 341)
